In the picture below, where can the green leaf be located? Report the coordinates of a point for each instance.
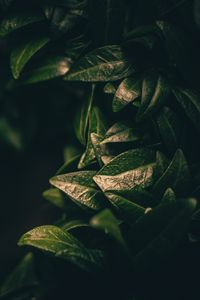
(161, 164)
(82, 119)
(169, 127)
(155, 90)
(55, 197)
(62, 244)
(104, 64)
(190, 103)
(80, 187)
(128, 210)
(74, 224)
(109, 88)
(120, 133)
(101, 150)
(131, 170)
(128, 91)
(22, 278)
(12, 22)
(158, 232)
(51, 68)
(96, 125)
(24, 52)
(107, 222)
(169, 196)
(176, 176)
(12, 136)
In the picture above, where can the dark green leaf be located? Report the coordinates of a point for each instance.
(82, 119)
(176, 176)
(107, 222)
(80, 187)
(51, 68)
(62, 244)
(97, 126)
(23, 277)
(190, 103)
(169, 127)
(128, 210)
(23, 53)
(109, 88)
(169, 196)
(13, 22)
(128, 91)
(104, 64)
(159, 231)
(155, 90)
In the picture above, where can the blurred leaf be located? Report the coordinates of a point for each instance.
(128, 91)
(12, 22)
(169, 196)
(62, 244)
(51, 68)
(23, 278)
(158, 232)
(109, 88)
(80, 187)
(104, 64)
(21, 54)
(10, 134)
(107, 222)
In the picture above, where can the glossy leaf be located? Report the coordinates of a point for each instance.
(22, 278)
(80, 187)
(130, 170)
(190, 103)
(82, 119)
(127, 209)
(169, 128)
(101, 150)
(104, 64)
(176, 176)
(128, 91)
(155, 90)
(60, 243)
(51, 68)
(24, 52)
(96, 126)
(120, 133)
(12, 22)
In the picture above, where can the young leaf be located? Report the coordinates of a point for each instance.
(128, 210)
(13, 22)
(104, 64)
(109, 88)
(23, 53)
(155, 90)
(80, 187)
(55, 197)
(190, 103)
(82, 119)
(169, 128)
(176, 176)
(62, 244)
(101, 150)
(51, 68)
(130, 170)
(21, 279)
(128, 91)
(96, 126)
(107, 222)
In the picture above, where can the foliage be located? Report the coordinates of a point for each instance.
(127, 202)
